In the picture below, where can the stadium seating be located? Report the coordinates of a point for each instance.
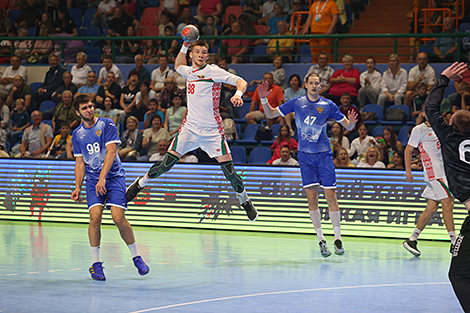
(13, 15)
(249, 134)
(148, 17)
(260, 155)
(238, 154)
(94, 54)
(32, 31)
(91, 32)
(378, 131)
(46, 105)
(274, 132)
(403, 135)
(232, 9)
(76, 15)
(48, 122)
(304, 54)
(88, 18)
(242, 111)
(375, 108)
(35, 87)
(261, 29)
(399, 107)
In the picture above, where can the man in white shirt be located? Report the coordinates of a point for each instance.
(6, 82)
(286, 158)
(421, 73)
(108, 66)
(160, 74)
(104, 14)
(162, 149)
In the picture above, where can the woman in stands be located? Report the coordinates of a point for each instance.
(283, 139)
(390, 146)
(175, 114)
(371, 159)
(129, 48)
(370, 84)
(65, 23)
(394, 83)
(360, 145)
(338, 140)
(131, 140)
(342, 159)
(397, 161)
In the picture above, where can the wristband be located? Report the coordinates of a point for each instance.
(239, 93)
(264, 101)
(184, 49)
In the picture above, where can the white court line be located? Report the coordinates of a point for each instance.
(119, 265)
(32, 272)
(52, 271)
(285, 292)
(11, 274)
(75, 269)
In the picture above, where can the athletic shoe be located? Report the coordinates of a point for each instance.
(325, 252)
(411, 246)
(141, 266)
(133, 189)
(96, 271)
(250, 210)
(339, 249)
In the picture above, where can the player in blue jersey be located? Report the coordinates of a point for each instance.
(315, 156)
(95, 144)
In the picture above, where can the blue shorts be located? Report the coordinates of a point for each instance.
(115, 196)
(317, 169)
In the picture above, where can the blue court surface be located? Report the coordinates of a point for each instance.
(44, 268)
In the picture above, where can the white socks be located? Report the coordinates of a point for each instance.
(133, 249)
(143, 181)
(315, 216)
(335, 220)
(95, 254)
(415, 234)
(242, 197)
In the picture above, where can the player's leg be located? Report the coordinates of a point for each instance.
(411, 244)
(95, 208)
(448, 216)
(315, 216)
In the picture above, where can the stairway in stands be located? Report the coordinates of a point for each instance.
(381, 16)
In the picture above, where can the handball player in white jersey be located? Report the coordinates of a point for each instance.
(315, 156)
(437, 190)
(203, 124)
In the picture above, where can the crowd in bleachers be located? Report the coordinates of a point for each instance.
(148, 106)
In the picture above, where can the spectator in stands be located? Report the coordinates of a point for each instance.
(226, 29)
(68, 48)
(21, 120)
(342, 159)
(293, 91)
(210, 30)
(421, 73)
(28, 12)
(80, 70)
(21, 90)
(371, 159)
(275, 19)
(64, 24)
(341, 25)
(162, 150)
(90, 89)
(3, 144)
(465, 78)
(5, 116)
(370, 84)
(130, 147)
(286, 45)
(108, 66)
(445, 47)
(394, 82)
(283, 139)
(322, 19)
(279, 74)
(391, 145)
(397, 161)
(107, 49)
(153, 110)
(345, 107)
(65, 113)
(209, 7)
(104, 15)
(360, 145)
(267, 11)
(418, 103)
(152, 137)
(285, 158)
(164, 100)
(338, 140)
(128, 94)
(144, 73)
(186, 19)
(128, 7)
(160, 74)
(275, 98)
(345, 80)
(237, 48)
(142, 99)
(111, 89)
(253, 9)
(37, 138)
(42, 48)
(67, 85)
(227, 110)
(462, 100)
(23, 47)
(108, 111)
(169, 7)
(6, 46)
(162, 21)
(175, 114)
(151, 52)
(120, 24)
(44, 22)
(52, 80)
(57, 149)
(323, 70)
(189, 157)
(246, 25)
(129, 47)
(5, 24)
(174, 49)
(7, 79)
(296, 7)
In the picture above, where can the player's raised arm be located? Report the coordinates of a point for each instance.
(181, 57)
(350, 122)
(268, 109)
(237, 97)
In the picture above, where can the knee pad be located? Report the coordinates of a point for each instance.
(232, 176)
(164, 166)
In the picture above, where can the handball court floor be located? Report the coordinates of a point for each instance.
(44, 268)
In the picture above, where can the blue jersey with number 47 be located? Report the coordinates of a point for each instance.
(90, 143)
(311, 118)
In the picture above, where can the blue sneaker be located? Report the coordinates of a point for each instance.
(141, 266)
(96, 271)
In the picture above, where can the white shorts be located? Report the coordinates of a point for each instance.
(210, 139)
(437, 190)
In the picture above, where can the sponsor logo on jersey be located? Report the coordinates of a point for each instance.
(200, 76)
(98, 133)
(320, 110)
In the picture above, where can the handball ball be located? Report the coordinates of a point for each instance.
(190, 33)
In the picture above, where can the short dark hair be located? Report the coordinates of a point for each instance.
(145, 82)
(201, 43)
(346, 94)
(64, 124)
(134, 72)
(461, 121)
(108, 57)
(314, 75)
(81, 99)
(154, 117)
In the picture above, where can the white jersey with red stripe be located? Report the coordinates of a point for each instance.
(423, 137)
(203, 94)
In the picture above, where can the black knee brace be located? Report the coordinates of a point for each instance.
(232, 176)
(164, 166)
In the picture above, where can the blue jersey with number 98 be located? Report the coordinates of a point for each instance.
(90, 143)
(311, 118)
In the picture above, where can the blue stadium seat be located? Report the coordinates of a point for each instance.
(378, 131)
(46, 105)
(249, 134)
(32, 31)
(377, 109)
(239, 130)
(8, 147)
(238, 154)
(141, 125)
(449, 89)
(153, 3)
(403, 135)
(260, 155)
(88, 17)
(76, 15)
(35, 87)
(258, 51)
(274, 132)
(94, 54)
(242, 111)
(13, 15)
(91, 32)
(428, 48)
(48, 122)
(304, 54)
(399, 107)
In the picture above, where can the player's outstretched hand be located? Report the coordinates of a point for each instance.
(352, 117)
(76, 195)
(263, 90)
(237, 101)
(455, 70)
(409, 177)
(101, 187)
